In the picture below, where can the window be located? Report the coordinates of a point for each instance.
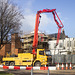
(67, 43)
(26, 38)
(41, 52)
(49, 46)
(22, 44)
(54, 45)
(60, 45)
(74, 43)
(70, 43)
(48, 52)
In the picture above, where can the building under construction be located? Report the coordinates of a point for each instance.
(28, 41)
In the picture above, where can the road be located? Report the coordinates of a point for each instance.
(42, 72)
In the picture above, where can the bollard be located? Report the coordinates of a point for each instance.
(31, 71)
(48, 71)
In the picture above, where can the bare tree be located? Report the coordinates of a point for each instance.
(10, 19)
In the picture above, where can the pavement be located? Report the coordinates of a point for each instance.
(41, 72)
(2, 69)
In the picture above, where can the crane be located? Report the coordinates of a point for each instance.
(60, 25)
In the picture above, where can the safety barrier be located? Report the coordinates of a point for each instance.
(28, 68)
(43, 68)
(58, 67)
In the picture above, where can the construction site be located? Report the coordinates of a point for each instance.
(37, 52)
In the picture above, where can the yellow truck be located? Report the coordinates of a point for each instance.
(41, 58)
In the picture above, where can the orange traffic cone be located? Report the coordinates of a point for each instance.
(70, 66)
(58, 67)
(62, 67)
(66, 66)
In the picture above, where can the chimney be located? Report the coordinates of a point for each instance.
(63, 32)
(13, 45)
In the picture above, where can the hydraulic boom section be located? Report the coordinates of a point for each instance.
(60, 25)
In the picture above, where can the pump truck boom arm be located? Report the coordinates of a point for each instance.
(35, 40)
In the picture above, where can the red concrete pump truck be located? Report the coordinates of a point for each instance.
(38, 57)
(35, 41)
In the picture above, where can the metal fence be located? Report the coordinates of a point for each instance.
(63, 59)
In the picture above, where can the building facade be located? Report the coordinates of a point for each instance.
(65, 46)
(28, 41)
(13, 47)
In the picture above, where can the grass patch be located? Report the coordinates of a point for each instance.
(4, 73)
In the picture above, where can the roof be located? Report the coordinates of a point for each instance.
(62, 36)
(33, 32)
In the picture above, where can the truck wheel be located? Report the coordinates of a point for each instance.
(12, 63)
(38, 64)
(7, 63)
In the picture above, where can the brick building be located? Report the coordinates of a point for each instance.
(13, 47)
(15, 44)
(4, 49)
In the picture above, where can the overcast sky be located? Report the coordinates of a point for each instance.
(64, 8)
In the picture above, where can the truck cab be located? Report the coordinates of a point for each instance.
(43, 57)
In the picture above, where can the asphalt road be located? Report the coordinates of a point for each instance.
(42, 72)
